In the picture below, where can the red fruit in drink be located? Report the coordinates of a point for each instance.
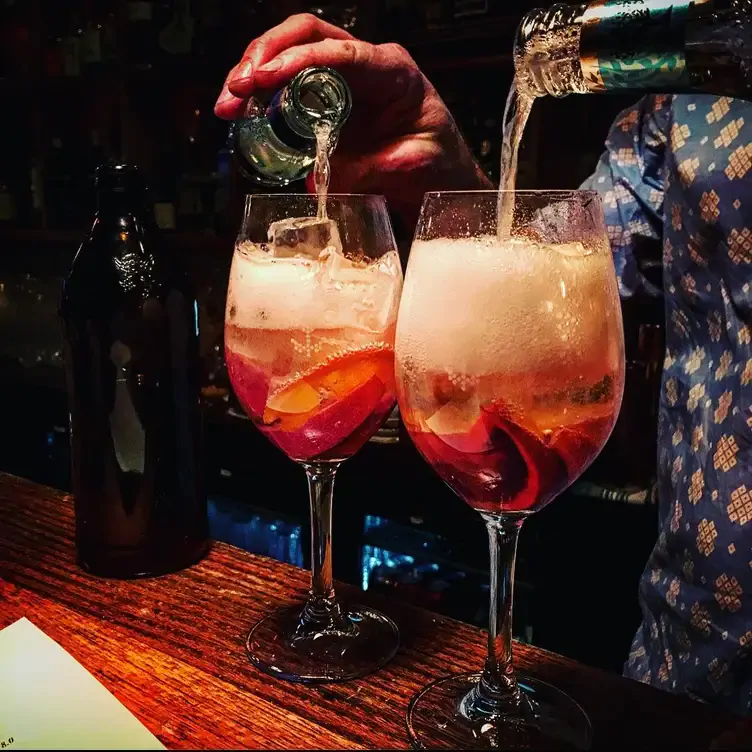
(546, 471)
(578, 445)
(365, 430)
(331, 426)
(446, 391)
(249, 383)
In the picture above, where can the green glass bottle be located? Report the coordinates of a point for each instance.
(275, 143)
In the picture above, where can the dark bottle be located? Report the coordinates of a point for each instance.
(661, 46)
(140, 34)
(130, 328)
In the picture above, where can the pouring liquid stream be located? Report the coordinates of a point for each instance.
(516, 114)
(321, 168)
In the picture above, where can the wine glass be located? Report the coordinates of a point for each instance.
(309, 344)
(510, 373)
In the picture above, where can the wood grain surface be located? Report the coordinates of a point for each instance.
(171, 650)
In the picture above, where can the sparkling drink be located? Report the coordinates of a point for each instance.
(509, 428)
(309, 349)
(310, 324)
(509, 391)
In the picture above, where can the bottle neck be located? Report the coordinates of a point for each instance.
(663, 46)
(315, 96)
(115, 204)
(547, 51)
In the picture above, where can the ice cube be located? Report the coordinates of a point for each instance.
(306, 237)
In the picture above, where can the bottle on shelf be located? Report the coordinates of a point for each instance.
(642, 45)
(53, 58)
(275, 143)
(92, 40)
(211, 37)
(7, 203)
(141, 34)
(72, 44)
(176, 38)
(165, 214)
(60, 178)
(94, 155)
(17, 48)
(108, 22)
(131, 341)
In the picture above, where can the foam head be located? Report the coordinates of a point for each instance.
(482, 307)
(329, 292)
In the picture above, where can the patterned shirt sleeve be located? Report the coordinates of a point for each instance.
(631, 179)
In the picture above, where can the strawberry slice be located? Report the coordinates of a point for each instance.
(365, 430)
(332, 425)
(578, 445)
(249, 383)
(546, 471)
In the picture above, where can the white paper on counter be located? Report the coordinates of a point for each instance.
(48, 700)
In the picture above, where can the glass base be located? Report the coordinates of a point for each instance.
(440, 717)
(287, 647)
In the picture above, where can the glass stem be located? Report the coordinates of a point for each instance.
(498, 691)
(322, 607)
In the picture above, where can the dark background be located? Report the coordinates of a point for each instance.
(84, 81)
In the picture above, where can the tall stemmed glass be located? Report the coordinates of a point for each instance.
(510, 372)
(309, 344)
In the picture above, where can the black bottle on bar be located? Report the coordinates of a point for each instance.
(130, 326)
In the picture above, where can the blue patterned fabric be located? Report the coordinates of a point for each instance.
(677, 180)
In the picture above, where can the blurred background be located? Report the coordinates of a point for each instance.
(84, 81)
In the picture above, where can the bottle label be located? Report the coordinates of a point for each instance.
(635, 44)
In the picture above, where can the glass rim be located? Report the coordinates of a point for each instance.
(314, 197)
(521, 192)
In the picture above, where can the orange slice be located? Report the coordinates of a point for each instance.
(340, 376)
(296, 402)
(301, 397)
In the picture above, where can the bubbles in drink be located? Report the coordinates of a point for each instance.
(329, 292)
(509, 426)
(309, 339)
(561, 296)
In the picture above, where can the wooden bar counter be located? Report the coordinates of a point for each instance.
(171, 649)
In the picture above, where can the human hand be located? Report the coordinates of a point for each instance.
(400, 140)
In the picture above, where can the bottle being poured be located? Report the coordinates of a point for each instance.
(664, 46)
(279, 142)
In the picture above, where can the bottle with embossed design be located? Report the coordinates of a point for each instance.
(637, 45)
(130, 335)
